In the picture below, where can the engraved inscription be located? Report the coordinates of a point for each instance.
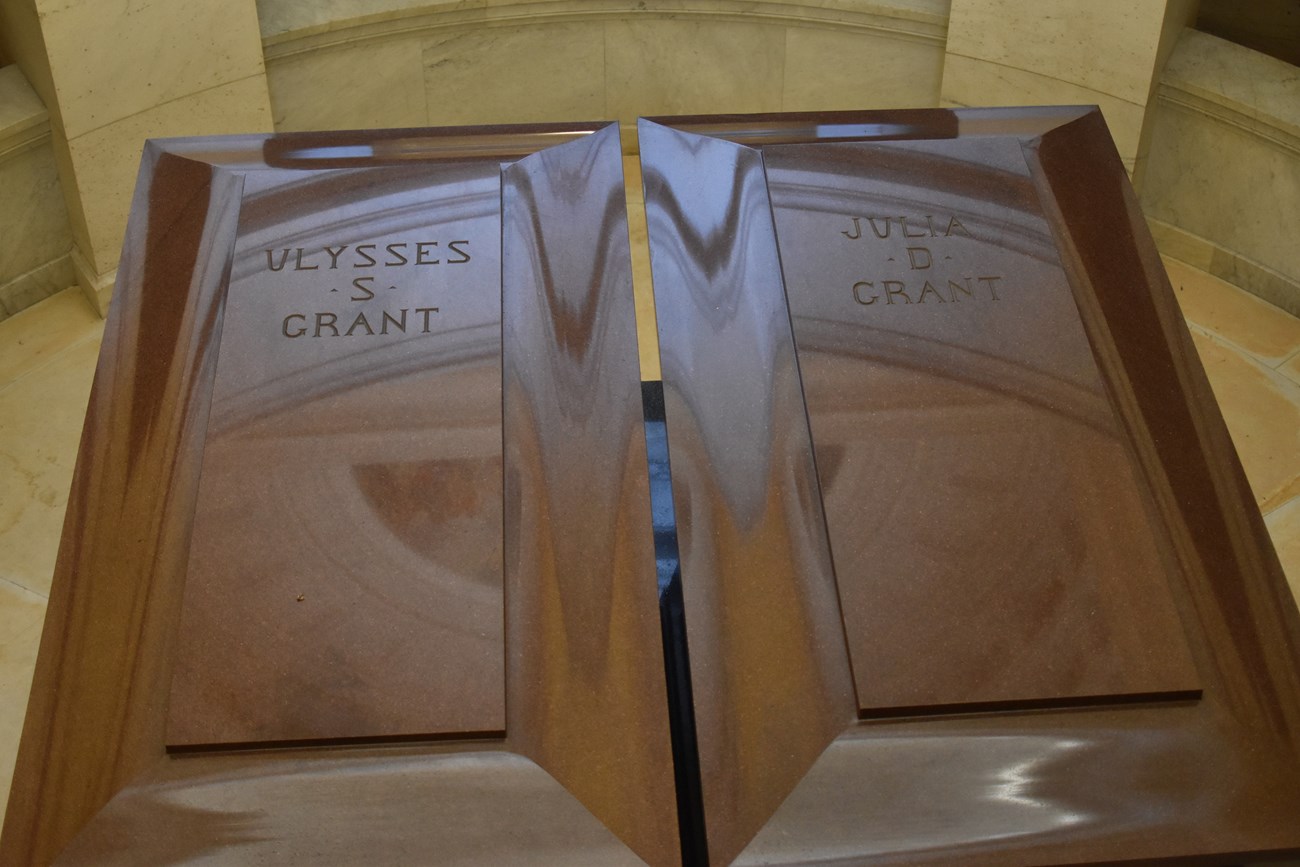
(918, 283)
(363, 287)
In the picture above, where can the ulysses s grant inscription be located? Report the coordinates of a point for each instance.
(357, 282)
(926, 252)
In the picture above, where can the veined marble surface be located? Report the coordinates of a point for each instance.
(121, 71)
(519, 61)
(1236, 77)
(96, 50)
(47, 361)
(34, 233)
(1064, 53)
(1223, 172)
(21, 109)
(112, 153)
(288, 20)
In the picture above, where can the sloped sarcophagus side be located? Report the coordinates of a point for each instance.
(346, 575)
(971, 572)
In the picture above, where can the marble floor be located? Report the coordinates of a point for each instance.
(1251, 352)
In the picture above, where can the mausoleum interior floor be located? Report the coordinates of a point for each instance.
(1250, 350)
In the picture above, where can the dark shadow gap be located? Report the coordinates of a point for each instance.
(316, 743)
(672, 620)
(1069, 702)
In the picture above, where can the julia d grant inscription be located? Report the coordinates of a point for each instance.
(929, 283)
(931, 546)
(959, 353)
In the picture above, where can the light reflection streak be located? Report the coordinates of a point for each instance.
(1015, 784)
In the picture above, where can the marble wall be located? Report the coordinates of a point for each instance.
(480, 61)
(1222, 189)
(35, 240)
(115, 72)
(225, 66)
(1062, 52)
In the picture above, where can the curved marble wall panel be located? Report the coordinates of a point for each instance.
(34, 233)
(1223, 179)
(377, 64)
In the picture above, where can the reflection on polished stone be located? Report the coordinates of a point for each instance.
(321, 502)
(879, 789)
(347, 529)
(964, 438)
(974, 488)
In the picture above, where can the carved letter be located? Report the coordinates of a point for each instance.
(298, 266)
(370, 260)
(954, 224)
(420, 251)
(334, 255)
(954, 288)
(401, 260)
(452, 245)
(919, 257)
(426, 311)
(876, 229)
(857, 230)
(891, 292)
(858, 295)
(360, 320)
(399, 324)
(356, 284)
(906, 234)
(271, 263)
(326, 320)
(927, 289)
(302, 329)
(992, 283)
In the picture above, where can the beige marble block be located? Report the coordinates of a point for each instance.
(121, 71)
(1107, 46)
(282, 20)
(40, 425)
(42, 333)
(1223, 181)
(106, 160)
(672, 66)
(1228, 184)
(22, 44)
(971, 82)
(35, 237)
(21, 110)
(1262, 409)
(116, 58)
(1234, 77)
(503, 74)
(33, 218)
(36, 285)
(826, 70)
(1254, 327)
(1026, 52)
(366, 85)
